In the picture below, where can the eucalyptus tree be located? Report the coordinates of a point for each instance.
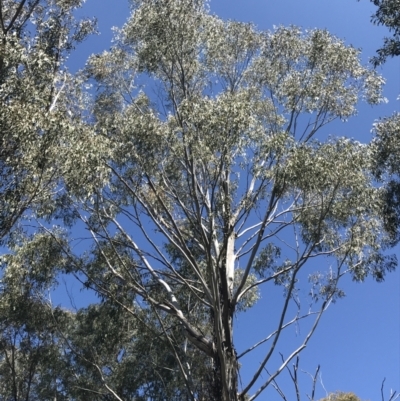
(110, 356)
(95, 353)
(386, 149)
(39, 105)
(41, 125)
(209, 184)
(387, 130)
(342, 396)
(388, 15)
(31, 354)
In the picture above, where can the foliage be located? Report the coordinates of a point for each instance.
(30, 350)
(38, 104)
(128, 356)
(386, 130)
(220, 185)
(202, 175)
(386, 147)
(387, 14)
(340, 396)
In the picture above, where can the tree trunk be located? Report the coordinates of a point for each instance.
(225, 384)
(231, 373)
(226, 372)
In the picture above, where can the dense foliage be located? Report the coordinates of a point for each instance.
(386, 147)
(38, 102)
(387, 130)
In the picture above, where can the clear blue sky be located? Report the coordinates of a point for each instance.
(357, 343)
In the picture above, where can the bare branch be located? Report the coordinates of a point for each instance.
(294, 320)
(294, 353)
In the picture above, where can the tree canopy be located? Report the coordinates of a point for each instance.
(201, 177)
(387, 129)
(388, 15)
(37, 98)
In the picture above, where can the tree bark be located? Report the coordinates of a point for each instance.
(225, 383)
(226, 380)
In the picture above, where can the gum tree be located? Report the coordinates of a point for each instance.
(39, 106)
(385, 146)
(217, 183)
(31, 353)
(41, 126)
(388, 15)
(387, 129)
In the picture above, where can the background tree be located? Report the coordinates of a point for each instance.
(41, 124)
(110, 356)
(39, 105)
(386, 147)
(387, 14)
(31, 357)
(342, 396)
(387, 130)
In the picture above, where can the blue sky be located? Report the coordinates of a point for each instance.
(357, 342)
